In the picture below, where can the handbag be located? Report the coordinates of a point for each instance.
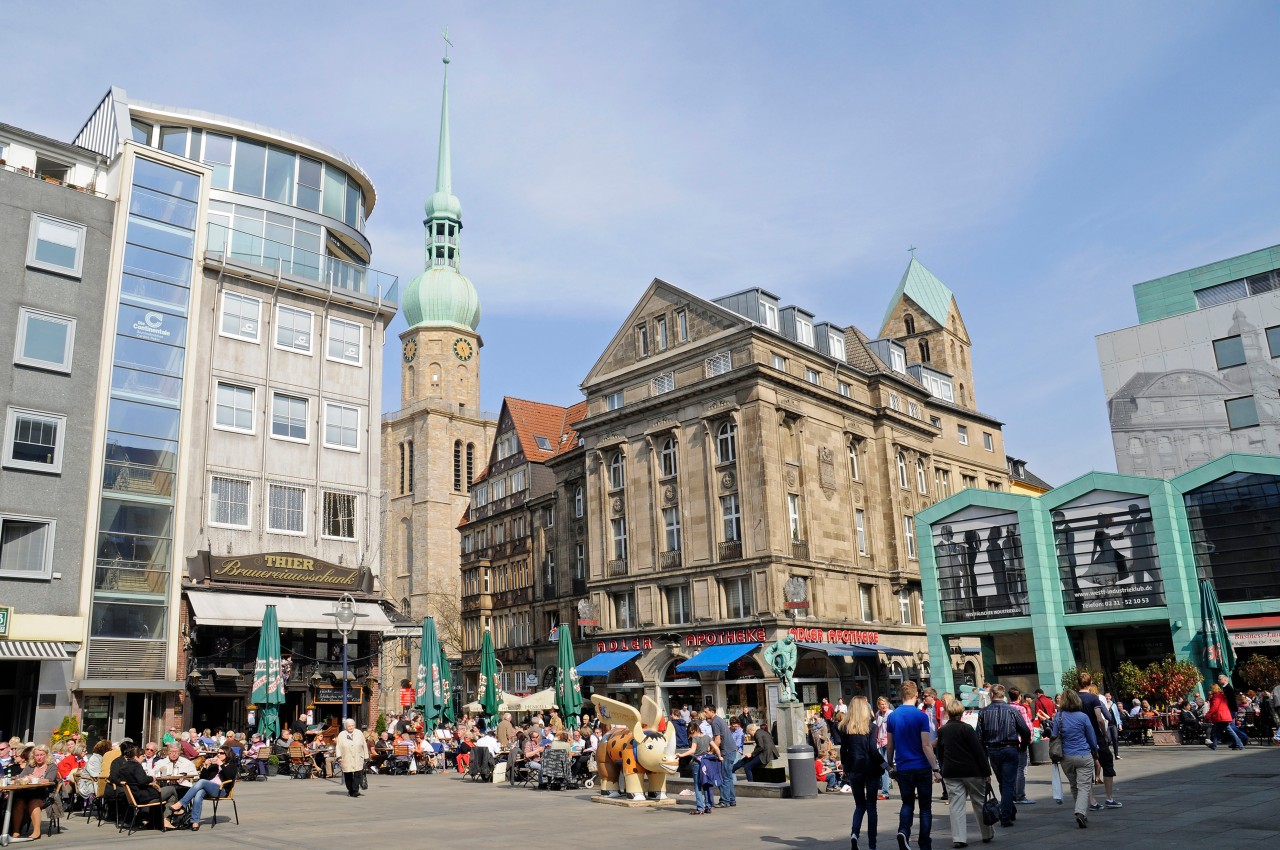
(990, 808)
(1055, 743)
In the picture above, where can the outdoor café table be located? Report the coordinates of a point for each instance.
(321, 755)
(15, 786)
(177, 777)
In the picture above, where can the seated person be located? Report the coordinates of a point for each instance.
(259, 753)
(381, 752)
(174, 763)
(462, 755)
(188, 743)
(220, 769)
(1136, 711)
(31, 802)
(133, 775)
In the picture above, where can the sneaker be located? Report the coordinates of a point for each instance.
(845, 789)
(1114, 804)
(1095, 807)
(1082, 821)
(882, 796)
(1025, 802)
(853, 842)
(903, 843)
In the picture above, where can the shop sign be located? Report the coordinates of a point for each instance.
(1021, 668)
(691, 640)
(284, 569)
(6, 617)
(1263, 637)
(833, 636)
(330, 695)
(407, 695)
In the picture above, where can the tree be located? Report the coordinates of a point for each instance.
(1170, 680)
(1126, 681)
(1071, 678)
(1259, 672)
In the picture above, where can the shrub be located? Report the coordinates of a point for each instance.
(1071, 678)
(1126, 681)
(381, 725)
(1259, 672)
(1170, 680)
(68, 727)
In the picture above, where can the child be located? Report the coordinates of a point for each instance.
(825, 768)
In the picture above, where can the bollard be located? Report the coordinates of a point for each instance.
(804, 782)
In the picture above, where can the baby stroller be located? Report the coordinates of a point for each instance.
(580, 770)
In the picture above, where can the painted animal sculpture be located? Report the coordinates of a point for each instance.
(640, 754)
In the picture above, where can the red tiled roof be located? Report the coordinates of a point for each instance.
(568, 436)
(533, 419)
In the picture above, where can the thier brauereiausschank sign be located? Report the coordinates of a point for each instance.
(980, 567)
(283, 569)
(1106, 550)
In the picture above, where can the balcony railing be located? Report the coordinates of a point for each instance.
(549, 591)
(800, 550)
(670, 560)
(579, 587)
(731, 550)
(616, 568)
(279, 259)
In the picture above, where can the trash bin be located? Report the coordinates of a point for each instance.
(804, 781)
(1040, 751)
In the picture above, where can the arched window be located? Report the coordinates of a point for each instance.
(578, 502)
(617, 473)
(667, 458)
(924, 351)
(411, 380)
(962, 395)
(921, 484)
(727, 442)
(909, 324)
(404, 605)
(902, 471)
(853, 459)
(434, 372)
(471, 464)
(964, 357)
(457, 465)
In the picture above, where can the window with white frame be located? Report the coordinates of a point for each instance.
(727, 442)
(45, 340)
(679, 610)
(339, 515)
(667, 458)
(580, 560)
(854, 446)
(617, 471)
(897, 360)
(860, 524)
(738, 599)
(341, 426)
(26, 547)
(289, 417)
(812, 376)
(33, 440)
(618, 527)
(942, 483)
(922, 482)
(864, 603)
(660, 331)
(895, 403)
(294, 329)
(671, 528)
(835, 345)
(55, 245)
(718, 364)
(913, 410)
(988, 442)
(779, 362)
(241, 316)
(902, 471)
(682, 325)
(233, 408)
(286, 509)
(904, 606)
(909, 532)
(731, 517)
(579, 502)
(804, 331)
(793, 516)
(664, 383)
(624, 610)
(642, 340)
(551, 516)
(344, 341)
(499, 486)
(614, 401)
(769, 315)
(844, 389)
(962, 434)
(229, 502)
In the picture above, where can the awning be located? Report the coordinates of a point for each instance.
(840, 649)
(225, 673)
(246, 609)
(604, 663)
(337, 676)
(32, 650)
(1239, 624)
(716, 658)
(879, 647)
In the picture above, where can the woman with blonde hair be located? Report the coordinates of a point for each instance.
(863, 767)
(882, 739)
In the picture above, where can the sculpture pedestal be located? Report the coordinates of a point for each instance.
(628, 803)
(790, 726)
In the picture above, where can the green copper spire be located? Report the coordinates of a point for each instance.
(441, 296)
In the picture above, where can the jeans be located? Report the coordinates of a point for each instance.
(1079, 770)
(1113, 735)
(913, 785)
(746, 765)
(727, 794)
(195, 797)
(972, 790)
(864, 803)
(884, 777)
(1216, 735)
(1024, 757)
(261, 764)
(1004, 764)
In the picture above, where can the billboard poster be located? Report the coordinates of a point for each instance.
(980, 569)
(1106, 550)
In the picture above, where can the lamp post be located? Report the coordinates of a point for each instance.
(345, 614)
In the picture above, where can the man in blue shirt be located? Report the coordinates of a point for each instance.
(723, 739)
(913, 764)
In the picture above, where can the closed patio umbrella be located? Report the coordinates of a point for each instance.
(568, 694)
(268, 682)
(446, 690)
(429, 696)
(1216, 642)
(488, 696)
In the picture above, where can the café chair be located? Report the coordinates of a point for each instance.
(138, 807)
(230, 797)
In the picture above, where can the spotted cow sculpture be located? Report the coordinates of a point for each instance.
(639, 752)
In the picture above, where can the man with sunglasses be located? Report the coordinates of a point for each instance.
(6, 758)
(151, 758)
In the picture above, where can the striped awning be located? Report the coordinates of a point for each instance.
(32, 650)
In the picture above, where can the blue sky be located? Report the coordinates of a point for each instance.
(1042, 157)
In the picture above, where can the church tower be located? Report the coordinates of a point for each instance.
(439, 440)
(924, 317)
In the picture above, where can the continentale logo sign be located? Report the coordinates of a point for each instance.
(283, 569)
(151, 326)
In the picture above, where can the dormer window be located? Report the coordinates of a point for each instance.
(835, 345)
(769, 315)
(897, 360)
(804, 331)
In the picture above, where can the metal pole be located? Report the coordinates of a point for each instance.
(344, 677)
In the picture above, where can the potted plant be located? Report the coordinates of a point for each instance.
(1169, 681)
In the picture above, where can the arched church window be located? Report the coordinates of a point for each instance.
(924, 351)
(909, 323)
(457, 465)
(471, 464)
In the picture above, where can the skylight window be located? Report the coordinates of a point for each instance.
(543, 443)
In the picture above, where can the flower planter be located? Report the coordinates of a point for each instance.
(1167, 737)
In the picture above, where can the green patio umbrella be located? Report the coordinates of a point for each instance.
(1216, 642)
(268, 682)
(489, 695)
(446, 690)
(568, 695)
(429, 700)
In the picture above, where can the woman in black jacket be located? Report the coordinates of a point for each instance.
(863, 766)
(965, 772)
(134, 775)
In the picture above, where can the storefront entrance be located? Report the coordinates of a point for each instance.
(18, 686)
(744, 688)
(1143, 645)
(680, 689)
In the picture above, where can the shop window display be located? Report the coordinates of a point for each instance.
(981, 575)
(1106, 551)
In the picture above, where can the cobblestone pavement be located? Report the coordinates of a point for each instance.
(1184, 797)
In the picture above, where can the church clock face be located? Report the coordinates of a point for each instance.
(463, 349)
(410, 350)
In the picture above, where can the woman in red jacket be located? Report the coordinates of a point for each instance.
(1220, 716)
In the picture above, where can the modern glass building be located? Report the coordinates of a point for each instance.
(1101, 569)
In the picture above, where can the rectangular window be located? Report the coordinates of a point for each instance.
(240, 316)
(913, 410)
(671, 525)
(251, 166)
(835, 344)
(341, 426)
(731, 516)
(779, 362)
(718, 364)
(993, 485)
(1228, 352)
(1273, 340)
(864, 600)
(812, 377)
(55, 245)
(580, 561)
(804, 331)
(664, 383)
(624, 610)
(909, 532)
(844, 389)
(895, 403)
(738, 599)
(660, 330)
(619, 529)
(289, 417)
(678, 607)
(339, 515)
(682, 325)
(229, 502)
(969, 482)
(793, 516)
(860, 523)
(988, 442)
(904, 606)
(897, 360)
(233, 409)
(942, 483)
(614, 401)
(286, 509)
(1241, 412)
(935, 421)
(293, 329)
(26, 547)
(962, 434)
(344, 341)
(769, 315)
(642, 340)
(44, 340)
(551, 516)
(217, 154)
(33, 440)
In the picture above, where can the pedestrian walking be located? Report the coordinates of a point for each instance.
(1080, 751)
(1024, 755)
(1219, 714)
(863, 768)
(882, 742)
(1005, 734)
(722, 737)
(966, 772)
(351, 751)
(913, 765)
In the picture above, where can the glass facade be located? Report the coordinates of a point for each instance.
(134, 552)
(1235, 535)
(981, 574)
(1106, 550)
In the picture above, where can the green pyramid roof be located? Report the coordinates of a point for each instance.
(931, 294)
